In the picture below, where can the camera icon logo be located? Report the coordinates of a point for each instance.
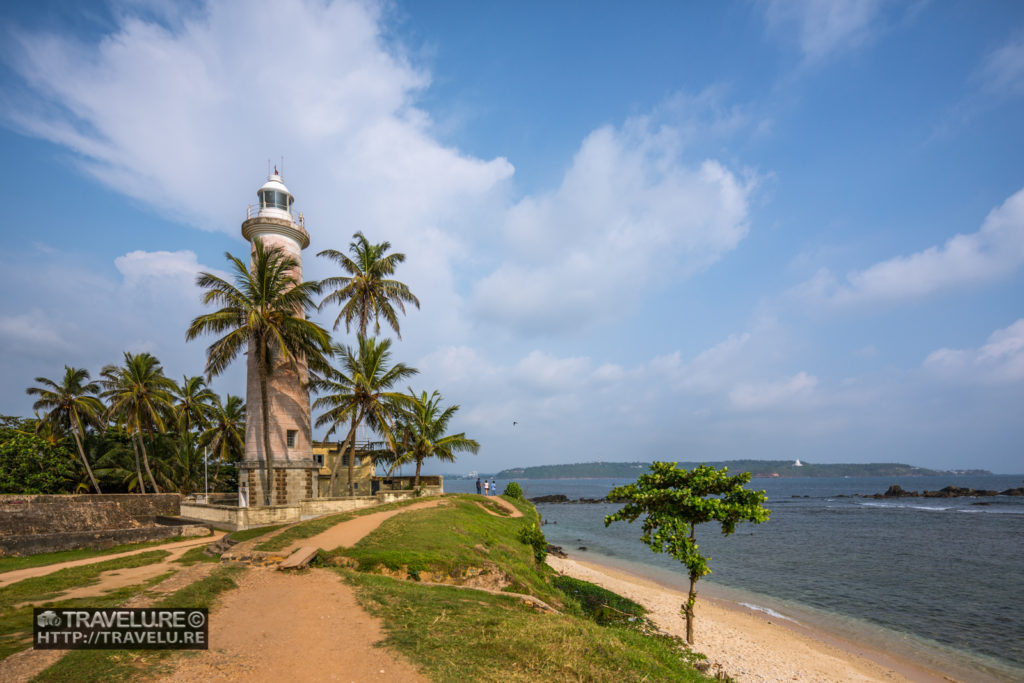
(48, 618)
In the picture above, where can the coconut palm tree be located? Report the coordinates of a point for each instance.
(71, 405)
(193, 404)
(424, 423)
(225, 435)
(141, 398)
(366, 293)
(263, 312)
(358, 390)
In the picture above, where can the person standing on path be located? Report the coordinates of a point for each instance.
(494, 487)
(487, 488)
(478, 487)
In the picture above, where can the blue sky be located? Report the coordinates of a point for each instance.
(678, 231)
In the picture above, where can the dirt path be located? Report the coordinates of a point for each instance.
(282, 626)
(351, 532)
(304, 626)
(7, 578)
(513, 511)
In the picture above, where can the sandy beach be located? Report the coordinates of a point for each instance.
(751, 645)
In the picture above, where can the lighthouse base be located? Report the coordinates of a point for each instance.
(294, 481)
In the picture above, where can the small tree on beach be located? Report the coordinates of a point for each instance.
(675, 501)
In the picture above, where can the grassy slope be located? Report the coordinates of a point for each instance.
(456, 634)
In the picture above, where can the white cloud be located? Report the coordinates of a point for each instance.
(773, 394)
(184, 116)
(824, 27)
(1003, 70)
(34, 333)
(999, 361)
(994, 251)
(180, 266)
(628, 214)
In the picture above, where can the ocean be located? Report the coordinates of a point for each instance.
(939, 580)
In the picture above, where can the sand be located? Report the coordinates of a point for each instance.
(749, 645)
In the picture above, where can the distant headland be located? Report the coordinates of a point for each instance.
(759, 468)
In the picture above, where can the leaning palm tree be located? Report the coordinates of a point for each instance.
(263, 312)
(193, 404)
(140, 398)
(358, 390)
(225, 435)
(366, 293)
(71, 405)
(424, 425)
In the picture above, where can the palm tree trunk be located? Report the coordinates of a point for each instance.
(352, 459)
(268, 484)
(85, 461)
(138, 465)
(145, 463)
(336, 467)
(419, 464)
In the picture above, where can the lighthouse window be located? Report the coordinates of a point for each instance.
(275, 199)
(292, 433)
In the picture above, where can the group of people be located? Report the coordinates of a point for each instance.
(488, 488)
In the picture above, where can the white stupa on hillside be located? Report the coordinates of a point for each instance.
(798, 463)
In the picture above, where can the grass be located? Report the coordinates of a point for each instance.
(313, 527)
(256, 532)
(196, 555)
(8, 564)
(127, 665)
(18, 599)
(453, 539)
(600, 605)
(458, 635)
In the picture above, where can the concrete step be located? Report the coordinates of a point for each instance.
(300, 558)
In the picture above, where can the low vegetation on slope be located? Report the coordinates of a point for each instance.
(455, 633)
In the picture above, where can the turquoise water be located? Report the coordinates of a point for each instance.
(942, 579)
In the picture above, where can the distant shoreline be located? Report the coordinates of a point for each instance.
(761, 469)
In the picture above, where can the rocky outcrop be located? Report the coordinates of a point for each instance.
(896, 491)
(560, 498)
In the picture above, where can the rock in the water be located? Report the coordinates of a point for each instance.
(556, 498)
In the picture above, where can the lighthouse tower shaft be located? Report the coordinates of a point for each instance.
(289, 431)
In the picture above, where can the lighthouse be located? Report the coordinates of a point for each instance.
(288, 425)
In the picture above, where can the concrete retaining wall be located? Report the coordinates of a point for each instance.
(235, 518)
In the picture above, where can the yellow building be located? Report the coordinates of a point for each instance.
(326, 454)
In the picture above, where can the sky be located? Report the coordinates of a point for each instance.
(638, 231)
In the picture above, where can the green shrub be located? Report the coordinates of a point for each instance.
(512, 490)
(531, 535)
(600, 605)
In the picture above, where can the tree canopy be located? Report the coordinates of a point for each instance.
(674, 501)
